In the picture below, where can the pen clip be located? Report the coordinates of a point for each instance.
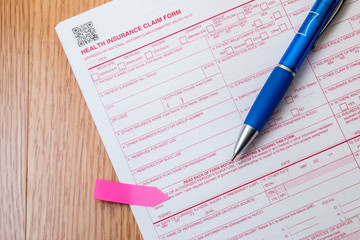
(337, 9)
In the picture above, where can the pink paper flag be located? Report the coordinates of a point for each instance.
(128, 193)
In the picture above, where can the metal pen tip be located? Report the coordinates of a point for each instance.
(233, 157)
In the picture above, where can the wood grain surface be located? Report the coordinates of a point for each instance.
(51, 152)
(14, 42)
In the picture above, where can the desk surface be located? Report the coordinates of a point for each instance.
(50, 150)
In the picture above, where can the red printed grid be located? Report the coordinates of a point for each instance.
(248, 42)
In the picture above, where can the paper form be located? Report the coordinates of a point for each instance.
(169, 84)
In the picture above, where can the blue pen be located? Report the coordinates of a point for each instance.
(319, 18)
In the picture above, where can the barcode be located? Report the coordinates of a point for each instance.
(85, 34)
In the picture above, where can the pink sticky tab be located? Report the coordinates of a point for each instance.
(128, 193)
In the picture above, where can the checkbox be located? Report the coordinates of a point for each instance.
(241, 16)
(271, 192)
(95, 77)
(148, 55)
(264, 6)
(229, 50)
(289, 99)
(344, 107)
(121, 66)
(295, 112)
(249, 42)
(258, 23)
(280, 189)
(283, 27)
(277, 15)
(183, 40)
(210, 28)
(271, 122)
(264, 36)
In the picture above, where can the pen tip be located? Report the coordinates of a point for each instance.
(233, 157)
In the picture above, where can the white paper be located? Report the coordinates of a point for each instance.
(169, 98)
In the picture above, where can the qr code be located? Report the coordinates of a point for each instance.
(85, 34)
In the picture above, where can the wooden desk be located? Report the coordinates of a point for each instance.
(50, 150)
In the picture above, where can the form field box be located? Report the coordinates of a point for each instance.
(289, 99)
(210, 28)
(211, 70)
(258, 23)
(295, 112)
(229, 50)
(344, 107)
(264, 6)
(281, 191)
(95, 77)
(264, 36)
(249, 42)
(148, 55)
(271, 122)
(183, 40)
(277, 15)
(283, 27)
(121, 66)
(241, 16)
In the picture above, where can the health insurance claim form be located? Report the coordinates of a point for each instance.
(169, 84)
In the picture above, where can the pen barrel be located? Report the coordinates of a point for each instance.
(308, 33)
(268, 98)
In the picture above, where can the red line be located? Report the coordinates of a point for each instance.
(195, 39)
(318, 172)
(332, 110)
(242, 185)
(163, 189)
(318, 184)
(193, 145)
(160, 83)
(292, 234)
(133, 109)
(294, 210)
(299, 10)
(341, 36)
(220, 211)
(183, 133)
(349, 109)
(297, 116)
(341, 52)
(339, 99)
(228, 207)
(254, 74)
(165, 110)
(257, 147)
(351, 209)
(158, 55)
(216, 90)
(300, 223)
(226, 84)
(243, 33)
(351, 235)
(323, 230)
(203, 156)
(172, 34)
(347, 79)
(194, 83)
(321, 76)
(188, 116)
(349, 202)
(154, 71)
(351, 25)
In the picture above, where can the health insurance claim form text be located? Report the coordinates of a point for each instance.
(169, 84)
